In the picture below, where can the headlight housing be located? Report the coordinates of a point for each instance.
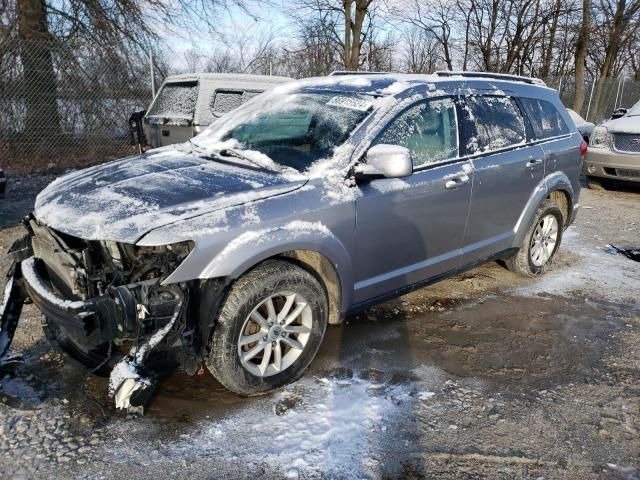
(600, 138)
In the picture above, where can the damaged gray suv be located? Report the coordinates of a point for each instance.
(238, 248)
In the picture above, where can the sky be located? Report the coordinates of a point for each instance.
(267, 18)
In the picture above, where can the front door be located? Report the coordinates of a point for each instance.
(410, 229)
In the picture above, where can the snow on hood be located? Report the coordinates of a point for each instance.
(126, 199)
(626, 124)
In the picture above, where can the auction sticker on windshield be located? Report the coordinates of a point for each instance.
(350, 102)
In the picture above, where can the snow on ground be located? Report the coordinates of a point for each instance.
(321, 427)
(595, 271)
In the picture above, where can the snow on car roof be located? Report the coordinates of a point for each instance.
(228, 77)
(381, 84)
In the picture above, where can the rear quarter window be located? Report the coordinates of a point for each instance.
(492, 123)
(545, 118)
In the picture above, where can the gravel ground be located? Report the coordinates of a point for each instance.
(484, 375)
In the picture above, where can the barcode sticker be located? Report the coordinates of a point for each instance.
(350, 102)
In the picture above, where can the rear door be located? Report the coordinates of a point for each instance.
(507, 169)
(410, 229)
(560, 146)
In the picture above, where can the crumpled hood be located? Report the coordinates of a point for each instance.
(624, 125)
(126, 199)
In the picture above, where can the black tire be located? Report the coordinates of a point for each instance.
(595, 184)
(96, 359)
(249, 291)
(522, 263)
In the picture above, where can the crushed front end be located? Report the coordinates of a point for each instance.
(105, 304)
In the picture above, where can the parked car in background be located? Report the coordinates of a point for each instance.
(187, 104)
(614, 150)
(238, 248)
(585, 128)
(618, 112)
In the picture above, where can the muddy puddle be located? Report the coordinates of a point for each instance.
(507, 344)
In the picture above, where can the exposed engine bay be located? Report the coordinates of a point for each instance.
(105, 304)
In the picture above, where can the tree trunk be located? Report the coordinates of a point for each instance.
(356, 44)
(445, 47)
(346, 56)
(39, 80)
(581, 55)
(466, 43)
(615, 32)
(548, 56)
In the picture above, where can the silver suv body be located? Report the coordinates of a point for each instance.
(614, 150)
(307, 203)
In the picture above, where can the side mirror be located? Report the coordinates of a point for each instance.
(620, 112)
(386, 161)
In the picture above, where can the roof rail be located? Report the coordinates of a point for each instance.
(356, 72)
(496, 76)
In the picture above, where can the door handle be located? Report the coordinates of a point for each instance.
(533, 162)
(456, 182)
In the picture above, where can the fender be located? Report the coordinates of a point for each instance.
(254, 246)
(554, 181)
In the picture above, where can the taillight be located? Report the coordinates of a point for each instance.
(583, 148)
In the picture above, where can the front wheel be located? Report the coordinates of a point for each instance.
(541, 242)
(269, 328)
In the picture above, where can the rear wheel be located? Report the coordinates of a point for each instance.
(269, 328)
(541, 242)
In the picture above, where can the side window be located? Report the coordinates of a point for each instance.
(545, 118)
(428, 130)
(494, 123)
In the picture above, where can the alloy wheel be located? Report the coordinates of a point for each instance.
(544, 240)
(275, 333)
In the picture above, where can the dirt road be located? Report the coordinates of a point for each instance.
(484, 375)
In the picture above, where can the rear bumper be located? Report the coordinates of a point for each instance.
(607, 163)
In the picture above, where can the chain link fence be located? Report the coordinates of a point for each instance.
(615, 93)
(65, 105)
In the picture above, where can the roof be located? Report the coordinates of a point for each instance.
(381, 84)
(228, 77)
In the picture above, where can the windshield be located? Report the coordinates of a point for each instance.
(635, 110)
(293, 129)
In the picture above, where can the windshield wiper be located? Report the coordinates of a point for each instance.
(232, 152)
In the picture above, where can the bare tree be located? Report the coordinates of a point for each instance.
(581, 55)
(192, 59)
(38, 73)
(420, 51)
(124, 25)
(349, 21)
(436, 18)
(619, 23)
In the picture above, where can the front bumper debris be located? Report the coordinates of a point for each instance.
(128, 384)
(144, 313)
(10, 309)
